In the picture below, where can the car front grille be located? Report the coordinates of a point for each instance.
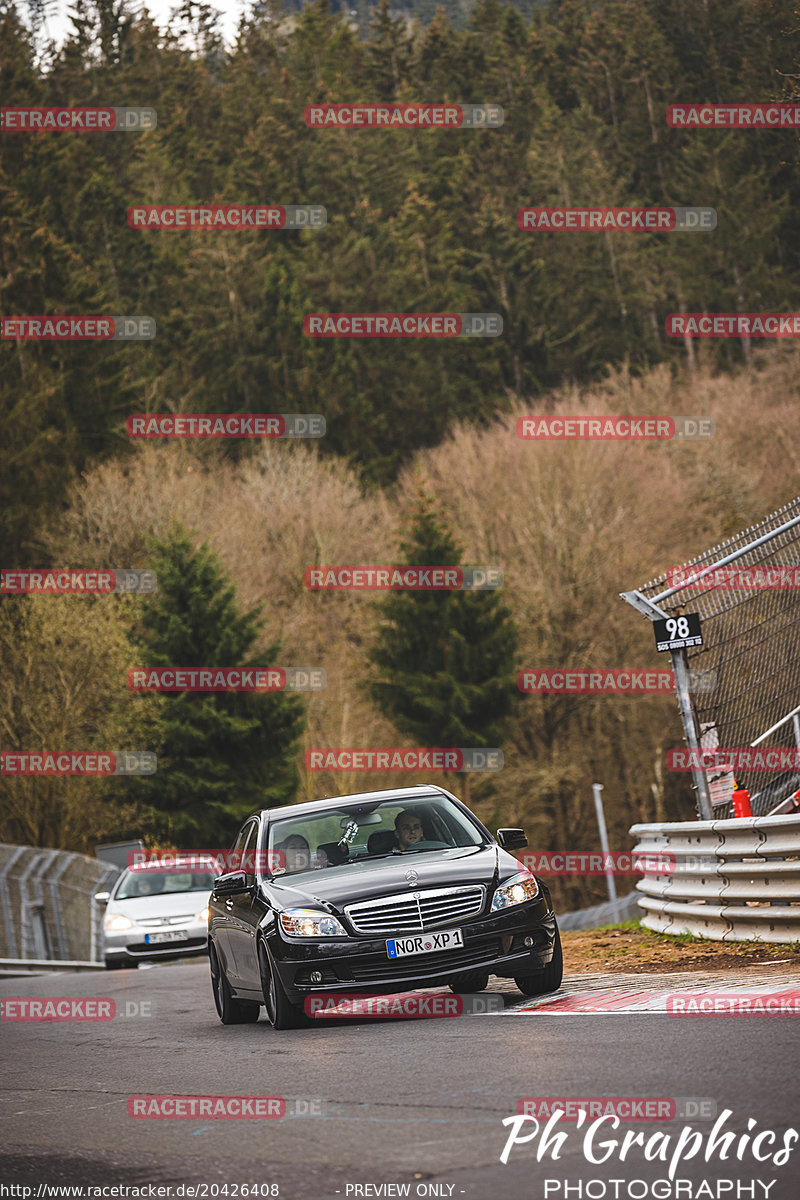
(173, 948)
(411, 912)
(161, 921)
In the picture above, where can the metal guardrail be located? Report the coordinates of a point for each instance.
(732, 881)
(11, 967)
(610, 912)
(46, 898)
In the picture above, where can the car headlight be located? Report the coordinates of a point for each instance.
(204, 915)
(114, 922)
(517, 890)
(307, 922)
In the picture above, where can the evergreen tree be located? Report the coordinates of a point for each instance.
(222, 754)
(445, 660)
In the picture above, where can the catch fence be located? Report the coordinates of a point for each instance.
(741, 687)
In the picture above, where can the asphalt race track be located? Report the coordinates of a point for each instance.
(402, 1102)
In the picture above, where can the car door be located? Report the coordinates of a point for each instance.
(222, 908)
(244, 913)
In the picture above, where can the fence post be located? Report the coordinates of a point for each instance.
(5, 900)
(601, 824)
(680, 666)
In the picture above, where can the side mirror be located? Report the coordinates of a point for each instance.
(102, 897)
(512, 839)
(231, 884)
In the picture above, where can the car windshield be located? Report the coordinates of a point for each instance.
(135, 885)
(351, 833)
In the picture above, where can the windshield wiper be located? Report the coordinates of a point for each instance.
(426, 849)
(357, 858)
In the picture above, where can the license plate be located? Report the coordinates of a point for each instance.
(174, 935)
(424, 943)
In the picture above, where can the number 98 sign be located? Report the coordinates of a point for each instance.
(678, 633)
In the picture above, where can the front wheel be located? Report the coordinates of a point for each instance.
(548, 980)
(281, 1013)
(230, 1010)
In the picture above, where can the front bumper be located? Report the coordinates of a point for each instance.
(128, 945)
(493, 943)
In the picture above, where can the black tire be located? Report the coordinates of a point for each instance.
(281, 1013)
(229, 1010)
(548, 980)
(115, 964)
(468, 982)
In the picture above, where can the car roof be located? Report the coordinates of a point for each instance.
(409, 794)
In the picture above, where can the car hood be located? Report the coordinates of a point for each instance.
(173, 904)
(353, 882)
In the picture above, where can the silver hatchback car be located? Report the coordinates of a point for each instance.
(157, 912)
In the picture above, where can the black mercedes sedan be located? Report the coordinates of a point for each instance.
(375, 893)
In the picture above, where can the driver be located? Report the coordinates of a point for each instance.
(150, 885)
(408, 828)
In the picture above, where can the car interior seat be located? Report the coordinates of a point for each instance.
(333, 852)
(381, 842)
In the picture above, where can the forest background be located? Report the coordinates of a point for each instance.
(417, 221)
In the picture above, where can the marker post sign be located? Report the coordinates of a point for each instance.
(678, 633)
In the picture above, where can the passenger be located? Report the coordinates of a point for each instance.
(297, 851)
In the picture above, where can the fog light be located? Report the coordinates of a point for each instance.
(316, 976)
(529, 940)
